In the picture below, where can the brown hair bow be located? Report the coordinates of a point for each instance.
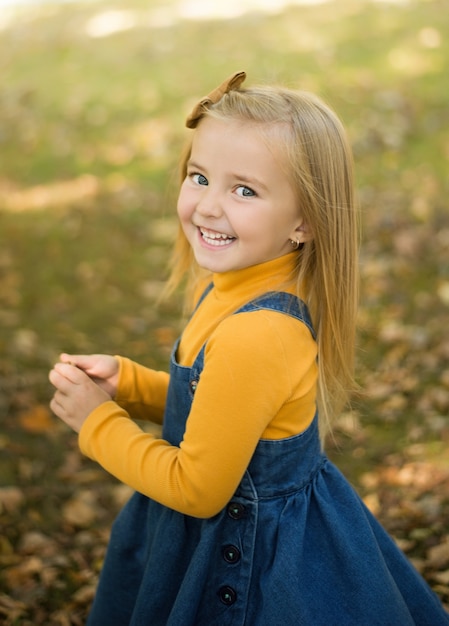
(233, 82)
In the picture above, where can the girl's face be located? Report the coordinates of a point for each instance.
(236, 205)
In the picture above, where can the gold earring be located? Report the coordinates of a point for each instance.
(294, 243)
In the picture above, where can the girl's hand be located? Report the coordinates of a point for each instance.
(76, 395)
(101, 368)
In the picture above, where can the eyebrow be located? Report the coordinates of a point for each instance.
(251, 181)
(191, 163)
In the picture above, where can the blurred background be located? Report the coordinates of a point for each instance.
(93, 97)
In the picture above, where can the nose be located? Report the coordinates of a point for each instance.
(210, 203)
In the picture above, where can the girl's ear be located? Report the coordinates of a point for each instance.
(302, 233)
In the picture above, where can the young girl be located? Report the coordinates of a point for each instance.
(238, 516)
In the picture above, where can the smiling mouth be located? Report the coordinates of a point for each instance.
(213, 238)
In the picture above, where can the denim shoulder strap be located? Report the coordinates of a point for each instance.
(279, 301)
(283, 303)
(203, 295)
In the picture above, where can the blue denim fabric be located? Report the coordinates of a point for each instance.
(295, 546)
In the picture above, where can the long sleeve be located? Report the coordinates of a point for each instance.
(142, 391)
(259, 370)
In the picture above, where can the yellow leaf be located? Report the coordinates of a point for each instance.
(38, 419)
(438, 556)
(81, 510)
(11, 499)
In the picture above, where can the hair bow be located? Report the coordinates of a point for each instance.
(233, 82)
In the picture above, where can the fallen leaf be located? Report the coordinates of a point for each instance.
(441, 577)
(34, 542)
(11, 499)
(22, 575)
(81, 510)
(38, 419)
(11, 609)
(84, 595)
(438, 556)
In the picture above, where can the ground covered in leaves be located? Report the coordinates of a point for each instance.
(91, 112)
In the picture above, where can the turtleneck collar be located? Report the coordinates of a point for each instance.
(278, 274)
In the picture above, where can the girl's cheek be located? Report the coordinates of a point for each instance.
(185, 205)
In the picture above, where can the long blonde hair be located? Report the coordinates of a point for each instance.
(319, 162)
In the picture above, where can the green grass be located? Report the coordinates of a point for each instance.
(110, 111)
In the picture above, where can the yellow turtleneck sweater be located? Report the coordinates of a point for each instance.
(258, 381)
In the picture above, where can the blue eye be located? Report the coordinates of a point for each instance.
(199, 179)
(244, 192)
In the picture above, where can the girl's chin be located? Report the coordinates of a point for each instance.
(214, 262)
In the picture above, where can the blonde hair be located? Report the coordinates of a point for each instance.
(319, 162)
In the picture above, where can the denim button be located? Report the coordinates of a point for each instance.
(236, 510)
(193, 385)
(227, 595)
(231, 554)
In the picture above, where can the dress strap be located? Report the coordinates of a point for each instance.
(203, 295)
(283, 303)
(280, 301)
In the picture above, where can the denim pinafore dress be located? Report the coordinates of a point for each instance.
(295, 546)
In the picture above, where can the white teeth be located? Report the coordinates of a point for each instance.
(215, 239)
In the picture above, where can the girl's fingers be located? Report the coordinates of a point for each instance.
(63, 375)
(71, 372)
(60, 382)
(56, 403)
(83, 361)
